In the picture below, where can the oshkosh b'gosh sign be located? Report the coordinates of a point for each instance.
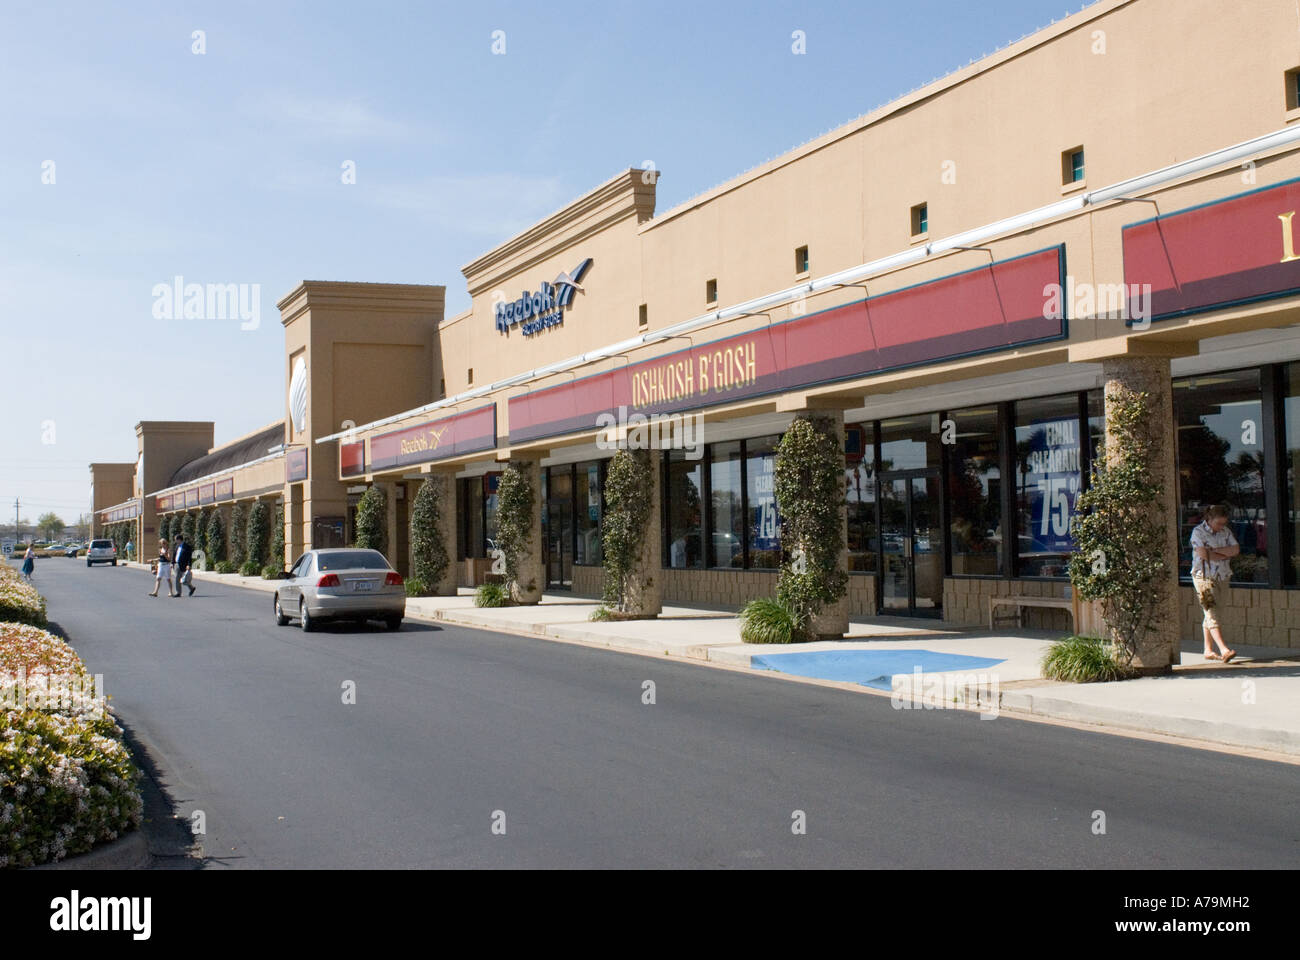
(534, 312)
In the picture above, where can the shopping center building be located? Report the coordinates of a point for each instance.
(954, 278)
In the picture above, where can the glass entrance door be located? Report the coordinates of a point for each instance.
(911, 563)
(559, 529)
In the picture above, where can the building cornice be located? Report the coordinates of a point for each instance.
(629, 193)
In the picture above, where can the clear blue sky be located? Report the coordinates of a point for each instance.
(225, 167)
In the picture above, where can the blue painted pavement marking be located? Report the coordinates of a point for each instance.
(871, 668)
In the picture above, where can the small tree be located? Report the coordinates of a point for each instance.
(259, 529)
(236, 547)
(372, 521)
(277, 539)
(516, 507)
(1118, 534)
(49, 524)
(216, 539)
(809, 483)
(201, 532)
(429, 557)
(187, 529)
(629, 481)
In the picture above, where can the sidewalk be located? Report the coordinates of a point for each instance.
(1253, 703)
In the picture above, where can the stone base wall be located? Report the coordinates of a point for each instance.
(588, 581)
(967, 602)
(1260, 618)
(735, 588)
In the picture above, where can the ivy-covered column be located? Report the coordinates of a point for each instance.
(631, 534)
(519, 529)
(433, 533)
(810, 498)
(1157, 647)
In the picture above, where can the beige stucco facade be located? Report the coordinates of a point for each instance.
(1135, 85)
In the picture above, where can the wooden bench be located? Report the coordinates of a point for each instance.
(1020, 602)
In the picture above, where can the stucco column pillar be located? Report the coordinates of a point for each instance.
(1159, 649)
(390, 519)
(532, 571)
(294, 539)
(645, 592)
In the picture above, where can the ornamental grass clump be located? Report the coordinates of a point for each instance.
(491, 595)
(1085, 660)
(767, 621)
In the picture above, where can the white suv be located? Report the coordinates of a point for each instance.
(101, 551)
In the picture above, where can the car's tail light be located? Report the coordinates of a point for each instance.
(329, 580)
(393, 580)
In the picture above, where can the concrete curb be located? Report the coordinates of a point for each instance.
(1192, 728)
(130, 852)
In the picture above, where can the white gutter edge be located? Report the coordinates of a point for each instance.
(1279, 138)
(220, 473)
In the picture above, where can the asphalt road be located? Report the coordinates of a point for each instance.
(454, 731)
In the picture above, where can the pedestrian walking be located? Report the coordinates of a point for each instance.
(162, 572)
(181, 561)
(1213, 545)
(29, 562)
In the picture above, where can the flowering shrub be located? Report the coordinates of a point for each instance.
(67, 780)
(20, 602)
(66, 783)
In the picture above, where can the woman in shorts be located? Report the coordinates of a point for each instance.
(164, 572)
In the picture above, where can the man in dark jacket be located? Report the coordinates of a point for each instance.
(184, 554)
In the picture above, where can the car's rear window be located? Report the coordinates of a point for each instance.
(351, 560)
(101, 544)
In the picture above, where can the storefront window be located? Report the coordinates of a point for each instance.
(1291, 461)
(860, 494)
(1096, 423)
(1048, 477)
(910, 443)
(1221, 460)
(684, 492)
(489, 499)
(760, 488)
(587, 514)
(728, 510)
(974, 493)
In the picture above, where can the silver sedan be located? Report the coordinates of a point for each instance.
(345, 583)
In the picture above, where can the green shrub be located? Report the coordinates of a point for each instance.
(257, 534)
(415, 587)
(491, 595)
(249, 569)
(277, 537)
(1085, 660)
(429, 557)
(236, 549)
(372, 521)
(216, 539)
(225, 566)
(272, 571)
(768, 621)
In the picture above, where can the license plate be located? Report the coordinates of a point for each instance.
(363, 584)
